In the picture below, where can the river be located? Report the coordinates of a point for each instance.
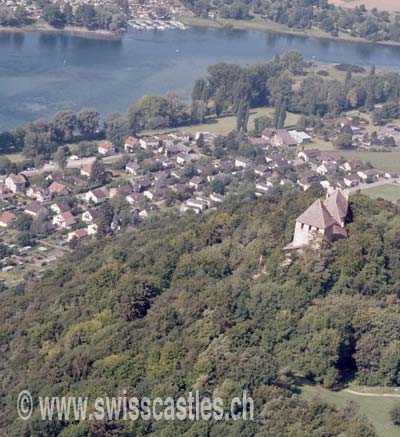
(41, 73)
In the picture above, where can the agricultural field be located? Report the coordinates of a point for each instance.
(382, 5)
(376, 409)
(388, 192)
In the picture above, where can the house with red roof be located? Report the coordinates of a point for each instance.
(7, 218)
(131, 143)
(106, 148)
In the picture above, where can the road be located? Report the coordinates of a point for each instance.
(375, 395)
(372, 185)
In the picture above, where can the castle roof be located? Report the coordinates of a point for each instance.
(337, 206)
(317, 215)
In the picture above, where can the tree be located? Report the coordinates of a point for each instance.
(39, 139)
(104, 220)
(261, 123)
(344, 140)
(61, 156)
(88, 122)
(395, 414)
(242, 116)
(64, 124)
(54, 16)
(99, 173)
(116, 126)
(280, 114)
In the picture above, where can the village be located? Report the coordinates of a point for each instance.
(148, 15)
(175, 171)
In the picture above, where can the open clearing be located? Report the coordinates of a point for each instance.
(382, 5)
(389, 192)
(376, 409)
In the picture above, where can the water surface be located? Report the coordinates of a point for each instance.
(41, 73)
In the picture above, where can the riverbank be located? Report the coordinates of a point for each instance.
(42, 26)
(264, 25)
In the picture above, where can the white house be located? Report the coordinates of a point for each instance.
(300, 137)
(106, 148)
(15, 183)
(64, 220)
(97, 195)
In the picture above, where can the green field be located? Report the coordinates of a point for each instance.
(376, 409)
(15, 157)
(225, 124)
(385, 161)
(389, 192)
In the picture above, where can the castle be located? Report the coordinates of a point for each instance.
(322, 220)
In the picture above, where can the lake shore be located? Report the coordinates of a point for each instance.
(270, 26)
(42, 26)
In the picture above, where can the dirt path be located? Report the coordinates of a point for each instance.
(374, 395)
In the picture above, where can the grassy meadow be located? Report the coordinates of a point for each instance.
(376, 409)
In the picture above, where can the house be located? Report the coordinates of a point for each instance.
(351, 180)
(59, 207)
(15, 183)
(181, 136)
(90, 216)
(40, 194)
(207, 137)
(86, 170)
(242, 163)
(79, 234)
(326, 168)
(35, 209)
(353, 165)
(58, 189)
(260, 142)
(151, 142)
(322, 220)
(263, 188)
(309, 155)
(97, 195)
(144, 213)
(64, 220)
(5, 192)
(132, 168)
(300, 137)
(307, 179)
(197, 182)
(120, 191)
(7, 218)
(176, 149)
(195, 205)
(131, 143)
(136, 198)
(106, 148)
(370, 174)
(279, 137)
(261, 170)
(183, 159)
(154, 194)
(92, 229)
(217, 198)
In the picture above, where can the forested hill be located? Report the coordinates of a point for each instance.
(188, 303)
